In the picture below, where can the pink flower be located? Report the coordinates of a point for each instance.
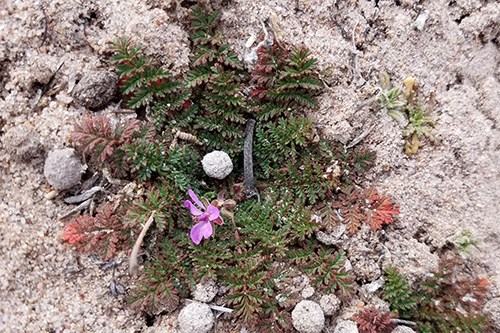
(205, 217)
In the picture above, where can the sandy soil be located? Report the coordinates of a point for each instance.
(447, 188)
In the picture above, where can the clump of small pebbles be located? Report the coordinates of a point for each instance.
(23, 142)
(205, 291)
(96, 89)
(330, 304)
(63, 169)
(346, 326)
(195, 317)
(217, 164)
(308, 317)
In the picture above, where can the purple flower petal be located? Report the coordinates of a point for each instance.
(194, 211)
(214, 212)
(193, 197)
(201, 230)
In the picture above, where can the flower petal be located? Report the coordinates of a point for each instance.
(214, 212)
(194, 211)
(218, 220)
(199, 231)
(193, 197)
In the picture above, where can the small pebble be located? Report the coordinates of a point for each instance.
(205, 292)
(96, 89)
(307, 317)
(330, 304)
(195, 317)
(23, 142)
(346, 326)
(63, 169)
(217, 164)
(403, 329)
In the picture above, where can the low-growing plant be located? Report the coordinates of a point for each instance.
(372, 320)
(447, 301)
(207, 228)
(406, 106)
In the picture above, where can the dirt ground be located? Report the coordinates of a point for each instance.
(448, 188)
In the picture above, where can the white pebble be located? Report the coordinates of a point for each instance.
(307, 317)
(217, 164)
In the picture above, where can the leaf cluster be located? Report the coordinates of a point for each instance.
(285, 81)
(353, 207)
(139, 79)
(447, 301)
(406, 106)
(106, 234)
(372, 320)
(96, 137)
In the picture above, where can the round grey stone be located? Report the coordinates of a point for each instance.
(307, 317)
(96, 89)
(63, 169)
(195, 317)
(330, 304)
(217, 164)
(23, 142)
(346, 326)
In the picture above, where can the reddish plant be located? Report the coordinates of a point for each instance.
(380, 209)
(104, 234)
(357, 206)
(371, 320)
(95, 136)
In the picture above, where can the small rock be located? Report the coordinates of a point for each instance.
(330, 304)
(217, 164)
(205, 292)
(307, 317)
(403, 329)
(195, 317)
(346, 326)
(96, 89)
(421, 18)
(23, 142)
(307, 292)
(63, 169)
(367, 290)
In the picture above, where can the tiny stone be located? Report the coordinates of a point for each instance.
(23, 142)
(421, 18)
(307, 292)
(205, 292)
(403, 329)
(307, 317)
(330, 304)
(346, 326)
(217, 164)
(195, 317)
(63, 169)
(96, 89)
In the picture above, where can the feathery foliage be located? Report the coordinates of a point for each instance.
(106, 234)
(398, 293)
(140, 81)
